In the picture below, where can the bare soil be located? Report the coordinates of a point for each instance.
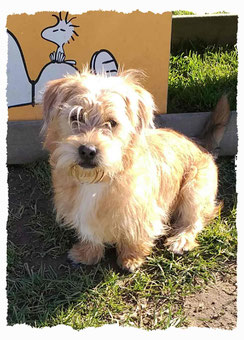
(216, 305)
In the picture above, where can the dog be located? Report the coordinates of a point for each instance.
(119, 180)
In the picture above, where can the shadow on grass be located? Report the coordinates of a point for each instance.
(41, 280)
(201, 98)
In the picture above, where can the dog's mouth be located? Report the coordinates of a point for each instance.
(88, 165)
(88, 174)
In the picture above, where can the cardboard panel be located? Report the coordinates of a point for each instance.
(48, 45)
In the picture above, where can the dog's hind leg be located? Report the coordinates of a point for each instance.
(184, 240)
(196, 206)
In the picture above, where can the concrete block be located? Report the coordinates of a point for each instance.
(191, 124)
(24, 143)
(219, 29)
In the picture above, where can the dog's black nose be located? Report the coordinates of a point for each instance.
(87, 152)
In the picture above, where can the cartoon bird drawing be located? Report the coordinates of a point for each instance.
(60, 34)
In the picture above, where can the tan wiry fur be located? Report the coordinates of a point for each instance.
(156, 181)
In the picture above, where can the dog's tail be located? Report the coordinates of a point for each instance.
(214, 128)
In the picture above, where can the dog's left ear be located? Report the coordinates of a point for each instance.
(146, 108)
(139, 101)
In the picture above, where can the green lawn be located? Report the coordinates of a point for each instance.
(44, 289)
(198, 80)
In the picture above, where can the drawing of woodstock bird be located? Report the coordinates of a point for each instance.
(60, 34)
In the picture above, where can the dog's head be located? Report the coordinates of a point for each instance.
(93, 120)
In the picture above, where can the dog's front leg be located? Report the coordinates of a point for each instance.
(86, 252)
(132, 255)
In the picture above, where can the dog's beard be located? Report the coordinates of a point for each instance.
(108, 162)
(64, 156)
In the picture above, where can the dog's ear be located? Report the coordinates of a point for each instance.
(52, 99)
(146, 108)
(139, 100)
(142, 107)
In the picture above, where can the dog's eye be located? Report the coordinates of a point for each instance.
(75, 118)
(111, 123)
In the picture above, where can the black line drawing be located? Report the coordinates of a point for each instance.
(19, 87)
(103, 61)
(60, 34)
(21, 90)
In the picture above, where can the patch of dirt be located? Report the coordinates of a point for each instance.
(215, 306)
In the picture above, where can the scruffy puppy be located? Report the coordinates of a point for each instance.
(118, 180)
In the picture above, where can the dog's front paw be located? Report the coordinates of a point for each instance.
(180, 243)
(130, 264)
(86, 253)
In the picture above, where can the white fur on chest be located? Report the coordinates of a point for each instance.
(85, 212)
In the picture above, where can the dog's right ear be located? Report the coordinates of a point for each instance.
(51, 100)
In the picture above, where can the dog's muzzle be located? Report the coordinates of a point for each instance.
(87, 170)
(88, 155)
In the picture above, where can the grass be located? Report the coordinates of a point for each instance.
(197, 80)
(44, 289)
(182, 12)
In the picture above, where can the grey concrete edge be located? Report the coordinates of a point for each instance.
(220, 15)
(25, 144)
(220, 29)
